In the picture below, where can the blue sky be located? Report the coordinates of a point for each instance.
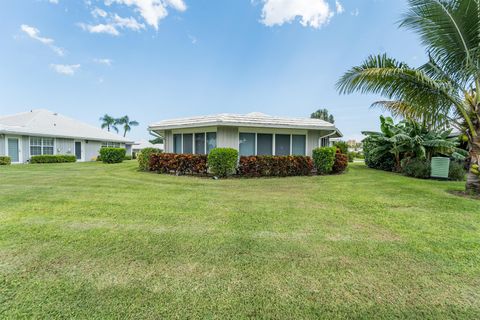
(161, 59)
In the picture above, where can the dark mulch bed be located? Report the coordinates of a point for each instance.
(464, 194)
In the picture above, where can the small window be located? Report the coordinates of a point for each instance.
(247, 144)
(177, 143)
(188, 143)
(298, 145)
(264, 144)
(200, 143)
(211, 141)
(325, 142)
(282, 144)
(48, 145)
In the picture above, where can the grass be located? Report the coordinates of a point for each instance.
(105, 241)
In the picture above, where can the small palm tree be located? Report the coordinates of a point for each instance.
(443, 92)
(126, 123)
(109, 123)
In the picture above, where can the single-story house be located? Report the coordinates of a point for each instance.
(138, 146)
(250, 134)
(43, 132)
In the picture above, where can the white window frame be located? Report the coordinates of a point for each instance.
(111, 144)
(41, 145)
(193, 133)
(274, 134)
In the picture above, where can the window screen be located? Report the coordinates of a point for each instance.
(298, 145)
(264, 144)
(247, 144)
(282, 145)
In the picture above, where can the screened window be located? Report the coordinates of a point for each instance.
(211, 141)
(109, 144)
(188, 143)
(247, 144)
(35, 146)
(177, 143)
(48, 145)
(282, 144)
(299, 145)
(325, 142)
(200, 143)
(40, 146)
(264, 144)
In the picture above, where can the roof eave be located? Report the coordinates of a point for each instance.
(23, 133)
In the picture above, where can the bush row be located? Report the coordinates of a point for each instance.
(178, 164)
(275, 166)
(421, 169)
(5, 161)
(222, 162)
(58, 158)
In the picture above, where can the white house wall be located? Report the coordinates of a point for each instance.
(92, 150)
(2, 146)
(64, 146)
(227, 137)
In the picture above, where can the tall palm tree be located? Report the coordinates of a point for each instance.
(445, 90)
(109, 122)
(126, 123)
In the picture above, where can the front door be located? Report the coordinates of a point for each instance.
(78, 150)
(13, 146)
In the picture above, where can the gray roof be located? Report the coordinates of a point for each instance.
(47, 123)
(143, 144)
(254, 119)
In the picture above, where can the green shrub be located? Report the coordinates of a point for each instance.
(222, 162)
(112, 155)
(341, 162)
(324, 158)
(351, 156)
(178, 164)
(58, 158)
(375, 159)
(143, 158)
(275, 166)
(416, 168)
(457, 170)
(342, 146)
(5, 161)
(127, 157)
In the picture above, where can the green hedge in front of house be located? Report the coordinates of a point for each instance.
(58, 158)
(5, 161)
(324, 159)
(112, 155)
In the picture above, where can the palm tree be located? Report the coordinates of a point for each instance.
(109, 122)
(126, 123)
(443, 92)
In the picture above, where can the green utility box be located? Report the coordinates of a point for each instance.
(440, 167)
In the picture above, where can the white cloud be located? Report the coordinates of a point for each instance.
(53, 1)
(355, 12)
(129, 23)
(97, 12)
(312, 13)
(34, 33)
(152, 11)
(65, 69)
(107, 62)
(339, 7)
(100, 28)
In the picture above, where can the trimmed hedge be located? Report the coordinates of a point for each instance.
(275, 166)
(178, 164)
(58, 158)
(222, 162)
(5, 161)
(324, 159)
(143, 158)
(112, 155)
(341, 162)
(457, 170)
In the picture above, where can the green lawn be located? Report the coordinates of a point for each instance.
(105, 241)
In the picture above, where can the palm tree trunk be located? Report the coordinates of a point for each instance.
(473, 180)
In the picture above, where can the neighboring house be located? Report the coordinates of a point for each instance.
(41, 132)
(251, 134)
(138, 146)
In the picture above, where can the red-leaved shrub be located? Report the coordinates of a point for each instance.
(275, 166)
(178, 164)
(341, 162)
